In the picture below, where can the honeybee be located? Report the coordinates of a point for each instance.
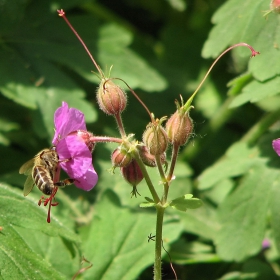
(41, 171)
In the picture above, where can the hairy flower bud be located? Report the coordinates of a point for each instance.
(179, 127)
(149, 159)
(120, 157)
(155, 138)
(275, 6)
(133, 175)
(110, 97)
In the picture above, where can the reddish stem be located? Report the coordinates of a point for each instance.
(104, 139)
(137, 97)
(61, 13)
(253, 54)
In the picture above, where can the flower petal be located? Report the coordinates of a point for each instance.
(276, 146)
(88, 180)
(67, 120)
(77, 151)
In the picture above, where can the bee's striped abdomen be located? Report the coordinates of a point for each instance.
(42, 179)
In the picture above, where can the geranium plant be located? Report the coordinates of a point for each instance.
(202, 170)
(74, 145)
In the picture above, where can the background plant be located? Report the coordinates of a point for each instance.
(156, 48)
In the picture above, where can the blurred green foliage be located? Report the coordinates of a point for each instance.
(161, 49)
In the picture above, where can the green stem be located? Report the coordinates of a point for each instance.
(163, 179)
(158, 243)
(175, 150)
(146, 176)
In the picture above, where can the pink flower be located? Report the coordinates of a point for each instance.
(276, 146)
(72, 148)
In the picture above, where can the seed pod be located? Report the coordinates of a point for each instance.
(133, 175)
(110, 97)
(120, 157)
(155, 138)
(179, 127)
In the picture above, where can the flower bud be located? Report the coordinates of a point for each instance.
(179, 127)
(275, 6)
(133, 175)
(149, 159)
(155, 138)
(120, 157)
(110, 97)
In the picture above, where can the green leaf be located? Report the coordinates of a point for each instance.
(117, 240)
(30, 247)
(6, 126)
(235, 21)
(18, 261)
(252, 269)
(59, 253)
(113, 45)
(25, 212)
(185, 202)
(186, 252)
(52, 96)
(12, 12)
(16, 82)
(244, 215)
(202, 221)
(237, 84)
(236, 275)
(242, 21)
(275, 210)
(256, 91)
(237, 160)
(219, 191)
(260, 268)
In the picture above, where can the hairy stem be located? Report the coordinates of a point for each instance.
(175, 151)
(120, 124)
(158, 242)
(253, 53)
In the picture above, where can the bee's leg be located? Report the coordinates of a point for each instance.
(65, 160)
(64, 183)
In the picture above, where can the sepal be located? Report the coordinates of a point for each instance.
(149, 203)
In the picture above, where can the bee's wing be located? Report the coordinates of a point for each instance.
(26, 168)
(28, 185)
